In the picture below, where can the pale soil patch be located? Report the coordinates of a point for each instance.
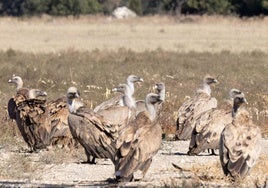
(184, 34)
(202, 170)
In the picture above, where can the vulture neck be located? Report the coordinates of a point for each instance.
(131, 87)
(74, 105)
(162, 94)
(206, 88)
(128, 100)
(235, 109)
(19, 85)
(150, 108)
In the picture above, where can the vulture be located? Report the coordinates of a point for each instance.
(160, 90)
(193, 107)
(209, 125)
(117, 100)
(54, 112)
(32, 118)
(92, 131)
(138, 142)
(239, 142)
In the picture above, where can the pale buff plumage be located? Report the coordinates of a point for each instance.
(239, 143)
(120, 115)
(138, 142)
(209, 125)
(193, 107)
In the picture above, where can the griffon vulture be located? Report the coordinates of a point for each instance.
(239, 143)
(138, 142)
(209, 125)
(193, 107)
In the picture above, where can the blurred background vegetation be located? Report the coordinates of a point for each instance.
(141, 7)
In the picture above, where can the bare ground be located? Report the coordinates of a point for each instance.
(61, 168)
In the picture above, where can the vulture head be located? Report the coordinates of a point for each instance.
(120, 88)
(209, 80)
(72, 98)
(152, 98)
(34, 93)
(238, 101)
(235, 92)
(134, 79)
(159, 87)
(73, 93)
(16, 80)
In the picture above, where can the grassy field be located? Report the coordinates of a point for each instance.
(95, 54)
(96, 73)
(179, 34)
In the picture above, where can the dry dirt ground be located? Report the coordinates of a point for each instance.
(197, 171)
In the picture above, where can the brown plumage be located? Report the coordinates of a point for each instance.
(95, 134)
(32, 118)
(209, 125)
(118, 100)
(239, 143)
(193, 107)
(52, 115)
(138, 142)
(21, 95)
(59, 112)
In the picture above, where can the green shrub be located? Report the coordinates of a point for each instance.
(136, 6)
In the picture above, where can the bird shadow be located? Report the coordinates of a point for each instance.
(96, 163)
(185, 154)
(177, 153)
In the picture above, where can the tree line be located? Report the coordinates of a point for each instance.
(141, 7)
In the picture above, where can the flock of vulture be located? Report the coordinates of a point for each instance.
(128, 132)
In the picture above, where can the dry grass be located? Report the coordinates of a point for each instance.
(180, 34)
(96, 73)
